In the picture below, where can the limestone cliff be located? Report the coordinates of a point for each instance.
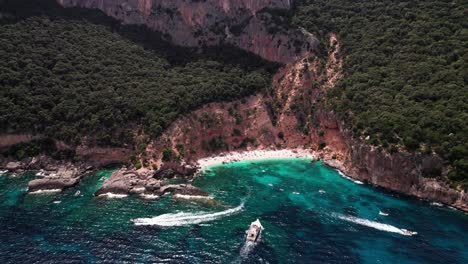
(249, 124)
(247, 24)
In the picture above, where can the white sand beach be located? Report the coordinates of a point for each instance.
(256, 155)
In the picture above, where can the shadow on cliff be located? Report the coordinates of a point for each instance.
(12, 11)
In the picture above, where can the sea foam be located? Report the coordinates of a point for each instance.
(180, 219)
(46, 191)
(113, 195)
(349, 178)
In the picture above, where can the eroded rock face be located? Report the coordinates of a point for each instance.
(247, 24)
(99, 156)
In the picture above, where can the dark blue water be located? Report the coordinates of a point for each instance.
(339, 224)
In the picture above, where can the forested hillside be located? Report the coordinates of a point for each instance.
(405, 85)
(71, 73)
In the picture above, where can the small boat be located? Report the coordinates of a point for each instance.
(254, 231)
(322, 191)
(383, 213)
(77, 193)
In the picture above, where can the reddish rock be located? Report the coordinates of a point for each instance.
(99, 156)
(242, 23)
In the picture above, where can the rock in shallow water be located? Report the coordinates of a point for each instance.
(125, 181)
(52, 183)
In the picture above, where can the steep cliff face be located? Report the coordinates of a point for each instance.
(248, 124)
(408, 173)
(246, 24)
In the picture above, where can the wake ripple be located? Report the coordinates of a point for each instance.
(246, 249)
(180, 219)
(376, 225)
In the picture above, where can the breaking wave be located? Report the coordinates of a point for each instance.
(180, 219)
(349, 178)
(376, 225)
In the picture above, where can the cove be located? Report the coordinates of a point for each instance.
(310, 213)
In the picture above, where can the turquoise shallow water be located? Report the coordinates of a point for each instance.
(340, 224)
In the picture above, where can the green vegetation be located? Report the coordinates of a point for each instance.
(322, 146)
(168, 154)
(71, 73)
(405, 81)
(135, 161)
(236, 132)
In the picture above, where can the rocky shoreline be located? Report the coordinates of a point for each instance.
(56, 176)
(428, 189)
(144, 182)
(53, 175)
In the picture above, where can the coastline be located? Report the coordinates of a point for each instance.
(335, 164)
(230, 157)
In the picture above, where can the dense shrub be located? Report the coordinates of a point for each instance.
(71, 73)
(405, 71)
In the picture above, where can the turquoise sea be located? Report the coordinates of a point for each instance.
(310, 214)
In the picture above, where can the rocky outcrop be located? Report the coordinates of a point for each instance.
(172, 169)
(53, 174)
(126, 181)
(51, 183)
(129, 181)
(246, 24)
(64, 177)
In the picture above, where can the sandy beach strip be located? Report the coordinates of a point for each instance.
(255, 155)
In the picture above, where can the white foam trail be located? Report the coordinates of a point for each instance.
(349, 178)
(247, 248)
(383, 213)
(376, 225)
(180, 219)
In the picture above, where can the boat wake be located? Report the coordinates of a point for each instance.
(180, 219)
(246, 249)
(376, 225)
